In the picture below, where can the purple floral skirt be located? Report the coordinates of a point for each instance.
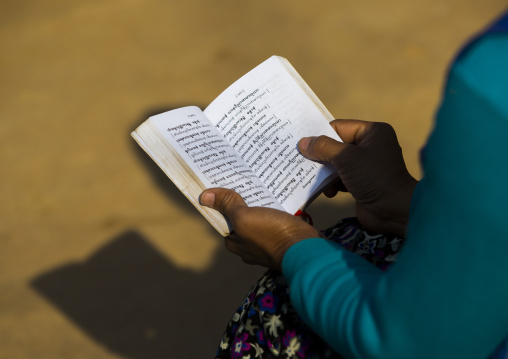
(267, 326)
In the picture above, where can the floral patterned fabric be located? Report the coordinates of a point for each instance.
(267, 326)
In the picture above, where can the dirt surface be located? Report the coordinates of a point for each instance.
(100, 256)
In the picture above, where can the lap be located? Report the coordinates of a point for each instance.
(267, 326)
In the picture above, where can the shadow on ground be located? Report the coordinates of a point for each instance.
(132, 300)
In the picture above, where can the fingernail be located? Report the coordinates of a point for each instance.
(207, 199)
(303, 144)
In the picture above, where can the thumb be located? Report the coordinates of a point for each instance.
(223, 200)
(322, 148)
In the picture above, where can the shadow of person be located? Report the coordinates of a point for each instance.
(132, 300)
(129, 298)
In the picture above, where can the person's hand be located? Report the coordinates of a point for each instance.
(371, 167)
(261, 235)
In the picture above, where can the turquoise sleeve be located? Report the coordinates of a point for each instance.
(447, 295)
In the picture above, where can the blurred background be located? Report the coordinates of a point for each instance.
(100, 255)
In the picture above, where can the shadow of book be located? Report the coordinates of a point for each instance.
(133, 301)
(159, 178)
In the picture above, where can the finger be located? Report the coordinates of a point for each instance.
(233, 237)
(334, 187)
(332, 190)
(235, 247)
(351, 131)
(231, 245)
(322, 148)
(223, 200)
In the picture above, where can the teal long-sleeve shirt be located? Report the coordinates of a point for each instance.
(447, 295)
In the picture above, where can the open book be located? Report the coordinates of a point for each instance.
(245, 140)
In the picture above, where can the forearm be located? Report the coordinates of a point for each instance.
(425, 306)
(326, 294)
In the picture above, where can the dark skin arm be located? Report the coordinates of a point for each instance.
(371, 168)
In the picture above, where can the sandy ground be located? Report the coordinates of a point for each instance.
(100, 255)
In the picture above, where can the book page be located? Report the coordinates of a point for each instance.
(263, 116)
(210, 156)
